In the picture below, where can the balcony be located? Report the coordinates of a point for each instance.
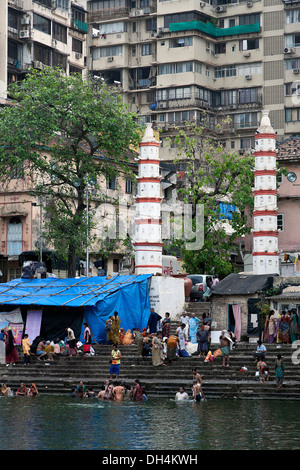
(211, 30)
(16, 4)
(80, 26)
(107, 14)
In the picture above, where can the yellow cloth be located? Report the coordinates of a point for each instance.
(26, 345)
(128, 338)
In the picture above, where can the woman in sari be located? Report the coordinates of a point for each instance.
(285, 328)
(166, 326)
(294, 326)
(157, 351)
(114, 333)
(11, 352)
(87, 337)
(270, 332)
(279, 371)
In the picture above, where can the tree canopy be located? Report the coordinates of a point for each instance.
(64, 132)
(222, 182)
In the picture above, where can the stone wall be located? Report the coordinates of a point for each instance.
(219, 310)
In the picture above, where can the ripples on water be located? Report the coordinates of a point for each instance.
(62, 423)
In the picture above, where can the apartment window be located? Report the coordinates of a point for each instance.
(14, 236)
(247, 95)
(247, 143)
(151, 24)
(75, 70)
(249, 19)
(111, 51)
(112, 182)
(292, 88)
(227, 71)
(128, 186)
(174, 93)
(181, 17)
(292, 40)
(180, 67)
(147, 49)
(181, 42)
(60, 32)
(249, 44)
(17, 171)
(45, 3)
(59, 60)
(292, 64)
(280, 222)
(111, 28)
(76, 45)
(288, 115)
(249, 69)
(14, 273)
(42, 24)
(62, 4)
(245, 120)
(42, 54)
(293, 16)
(180, 116)
(220, 48)
(107, 4)
(13, 19)
(134, 27)
(78, 15)
(203, 94)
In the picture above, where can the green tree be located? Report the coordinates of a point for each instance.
(64, 131)
(213, 176)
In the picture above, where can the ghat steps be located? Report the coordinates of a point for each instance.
(164, 381)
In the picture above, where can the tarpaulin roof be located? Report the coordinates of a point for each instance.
(70, 292)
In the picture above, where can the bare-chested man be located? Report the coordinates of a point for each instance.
(197, 376)
(118, 392)
(197, 391)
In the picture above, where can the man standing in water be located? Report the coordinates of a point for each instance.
(197, 391)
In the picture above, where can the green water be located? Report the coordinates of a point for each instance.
(65, 423)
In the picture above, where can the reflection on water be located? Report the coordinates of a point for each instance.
(62, 423)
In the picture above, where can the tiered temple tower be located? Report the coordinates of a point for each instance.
(148, 241)
(265, 234)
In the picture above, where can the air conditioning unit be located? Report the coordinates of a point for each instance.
(289, 50)
(220, 9)
(24, 34)
(247, 54)
(202, 4)
(110, 59)
(248, 77)
(249, 4)
(162, 105)
(78, 55)
(296, 71)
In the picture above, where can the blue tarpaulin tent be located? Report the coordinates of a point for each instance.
(98, 296)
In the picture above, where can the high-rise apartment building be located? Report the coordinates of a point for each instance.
(45, 33)
(177, 60)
